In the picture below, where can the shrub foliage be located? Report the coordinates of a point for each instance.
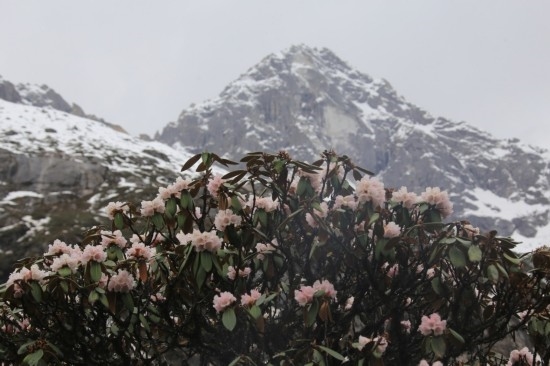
(281, 263)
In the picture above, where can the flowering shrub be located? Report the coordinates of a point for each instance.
(279, 263)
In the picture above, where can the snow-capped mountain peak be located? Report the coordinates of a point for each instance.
(305, 100)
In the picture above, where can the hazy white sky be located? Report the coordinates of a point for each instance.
(139, 63)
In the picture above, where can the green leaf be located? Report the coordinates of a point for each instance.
(302, 187)
(64, 271)
(171, 207)
(438, 346)
(95, 271)
(24, 347)
(492, 273)
(262, 217)
(331, 352)
(189, 163)
(119, 220)
(186, 201)
(511, 259)
(144, 323)
(206, 159)
(229, 319)
(447, 241)
(457, 257)
(206, 261)
(373, 219)
(127, 300)
(54, 348)
(93, 297)
(236, 361)
(255, 311)
(236, 204)
(201, 277)
(434, 216)
(311, 315)
(104, 300)
(457, 336)
(501, 269)
(158, 220)
(436, 286)
(474, 254)
(34, 358)
(36, 291)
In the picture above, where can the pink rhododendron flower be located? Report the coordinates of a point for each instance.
(432, 325)
(94, 253)
(304, 295)
(391, 230)
(522, 355)
(25, 274)
(408, 199)
(103, 281)
(320, 213)
(174, 189)
(140, 251)
(114, 207)
(406, 324)
(65, 260)
(315, 179)
(148, 208)
(109, 238)
(223, 301)
(370, 189)
(122, 281)
(440, 199)
(325, 286)
(264, 203)
(207, 240)
(381, 343)
(470, 231)
(263, 249)
(249, 300)
(232, 273)
(225, 218)
(214, 185)
(58, 247)
(345, 201)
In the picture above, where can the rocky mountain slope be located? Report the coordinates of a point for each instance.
(306, 100)
(58, 171)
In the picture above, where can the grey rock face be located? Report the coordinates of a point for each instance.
(43, 96)
(8, 91)
(45, 174)
(306, 100)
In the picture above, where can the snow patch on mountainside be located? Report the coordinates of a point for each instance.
(31, 130)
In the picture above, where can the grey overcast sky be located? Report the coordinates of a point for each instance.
(139, 63)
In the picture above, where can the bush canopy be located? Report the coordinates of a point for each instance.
(280, 262)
